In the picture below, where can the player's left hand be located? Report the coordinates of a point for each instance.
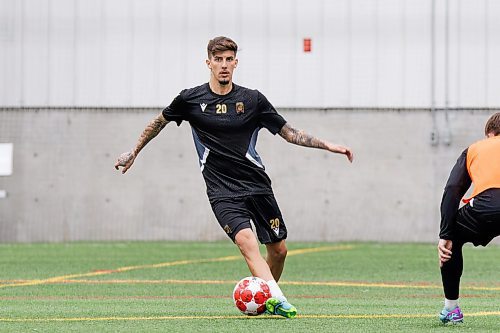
(444, 251)
(342, 150)
(349, 153)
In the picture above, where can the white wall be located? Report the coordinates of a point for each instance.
(365, 53)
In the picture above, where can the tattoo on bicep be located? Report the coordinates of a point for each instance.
(300, 137)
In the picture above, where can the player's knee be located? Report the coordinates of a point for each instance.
(245, 239)
(278, 252)
(282, 252)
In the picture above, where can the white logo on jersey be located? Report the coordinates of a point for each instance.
(203, 107)
(276, 231)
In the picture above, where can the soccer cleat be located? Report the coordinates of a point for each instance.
(453, 316)
(281, 308)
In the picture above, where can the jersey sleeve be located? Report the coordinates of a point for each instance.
(458, 183)
(176, 110)
(268, 116)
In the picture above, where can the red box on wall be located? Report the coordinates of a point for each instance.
(307, 44)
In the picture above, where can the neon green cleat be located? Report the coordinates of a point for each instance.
(281, 308)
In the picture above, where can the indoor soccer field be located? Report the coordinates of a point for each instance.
(187, 287)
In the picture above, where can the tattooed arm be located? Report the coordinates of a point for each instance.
(127, 159)
(301, 138)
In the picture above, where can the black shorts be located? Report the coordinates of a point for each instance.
(477, 225)
(235, 214)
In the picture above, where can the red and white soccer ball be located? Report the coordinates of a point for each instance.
(250, 295)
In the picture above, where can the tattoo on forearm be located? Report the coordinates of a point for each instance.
(150, 132)
(301, 138)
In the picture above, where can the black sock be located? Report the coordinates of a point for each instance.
(451, 272)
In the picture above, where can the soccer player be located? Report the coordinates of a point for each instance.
(478, 221)
(225, 119)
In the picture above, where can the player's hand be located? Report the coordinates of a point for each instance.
(342, 150)
(349, 153)
(444, 251)
(125, 160)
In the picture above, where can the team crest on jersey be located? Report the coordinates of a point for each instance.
(240, 107)
(203, 106)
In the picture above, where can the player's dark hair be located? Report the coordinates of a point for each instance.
(221, 44)
(493, 125)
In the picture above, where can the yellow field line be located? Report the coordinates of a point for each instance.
(347, 316)
(382, 285)
(293, 283)
(117, 270)
(160, 265)
(377, 316)
(320, 249)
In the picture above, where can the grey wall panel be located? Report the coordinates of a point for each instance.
(472, 51)
(142, 53)
(309, 85)
(281, 53)
(336, 70)
(255, 55)
(146, 52)
(35, 58)
(492, 24)
(363, 26)
(390, 48)
(61, 60)
(89, 53)
(64, 186)
(10, 52)
(118, 53)
(416, 60)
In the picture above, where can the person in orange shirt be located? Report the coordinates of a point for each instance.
(478, 221)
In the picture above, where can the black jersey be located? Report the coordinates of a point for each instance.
(225, 129)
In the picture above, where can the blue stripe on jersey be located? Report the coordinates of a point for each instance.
(252, 154)
(200, 149)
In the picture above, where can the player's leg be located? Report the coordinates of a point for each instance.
(470, 227)
(451, 272)
(477, 222)
(234, 218)
(276, 255)
(272, 232)
(249, 248)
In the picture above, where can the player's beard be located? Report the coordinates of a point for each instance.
(224, 82)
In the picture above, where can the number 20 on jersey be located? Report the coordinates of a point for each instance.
(221, 108)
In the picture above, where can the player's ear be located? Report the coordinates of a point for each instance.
(208, 63)
(235, 62)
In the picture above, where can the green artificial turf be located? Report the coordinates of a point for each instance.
(187, 286)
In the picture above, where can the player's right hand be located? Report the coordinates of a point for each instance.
(444, 251)
(125, 160)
